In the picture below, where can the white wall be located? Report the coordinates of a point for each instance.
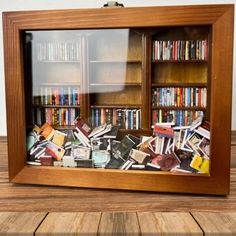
(16, 5)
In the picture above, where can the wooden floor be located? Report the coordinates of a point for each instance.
(40, 210)
(118, 223)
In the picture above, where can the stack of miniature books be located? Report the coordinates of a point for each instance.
(178, 149)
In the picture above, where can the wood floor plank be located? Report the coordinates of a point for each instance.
(119, 223)
(168, 223)
(16, 223)
(70, 224)
(217, 224)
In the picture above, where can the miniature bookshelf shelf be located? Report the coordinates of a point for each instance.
(117, 61)
(179, 61)
(56, 106)
(179, 108)
(107, 54)
(115, 106)
(179, 85)
(116, 84)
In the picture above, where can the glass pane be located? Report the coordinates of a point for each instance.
(91, 94)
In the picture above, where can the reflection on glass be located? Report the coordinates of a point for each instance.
(86, 85)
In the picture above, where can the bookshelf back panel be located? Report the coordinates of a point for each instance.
(170, 72)
(121, 73)
(56, 74)
(115, 44)
(181, 33)
(117, 95)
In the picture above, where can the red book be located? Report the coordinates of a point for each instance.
(83, 127)
(163, 131)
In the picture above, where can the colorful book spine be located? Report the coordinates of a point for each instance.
(58, 51)
(179, 97)
(123, 118)
(179, 50)
(179, 117)
(55, 116)
(56, 96)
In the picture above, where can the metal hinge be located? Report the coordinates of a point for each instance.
(113, 4)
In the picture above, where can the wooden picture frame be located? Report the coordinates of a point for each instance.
(218, 17)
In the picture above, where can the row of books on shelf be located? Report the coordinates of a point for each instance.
(55, 116)
(179, 96)
(179, 50)
(179, 117)
(56, 96)
(123, 118)
(58, 51)
(170, 148)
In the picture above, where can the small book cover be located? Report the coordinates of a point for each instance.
(46, 160)
(112, 133)
(203, 132)
(84, 163)
(69, 161)
(36, 152)
(197, 122)
(55, 151)
(83, 138)
(135, 139)
(59, 138)
(163, 131)
(127, 164)
(83, 126)
(106, 130)
(124, 147)
(204, 146)
(97, 130)
(114, 163)
(100, 158)
(168, 162)
(185, 165)
(47, 131)
(196, 162)
(183, 154)
(80, 152)
(139, 156)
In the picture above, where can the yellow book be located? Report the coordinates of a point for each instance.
(196, 162)
(59, 138)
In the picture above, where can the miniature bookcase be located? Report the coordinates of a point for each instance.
(126, 98)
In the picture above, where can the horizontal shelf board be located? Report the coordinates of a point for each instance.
(58, 84)
(115, 61)
(179, 61)
(64, 127)
(178, 108)
(56, 106)
(203, 85)
(47, 61)
(115, 84)
(101, 170)
(59, 127)
(126, 106)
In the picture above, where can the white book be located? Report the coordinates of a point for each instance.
(82, 137)
(203, 132)
(106, 130)
(97, 130)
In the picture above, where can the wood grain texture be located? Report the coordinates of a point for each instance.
(3, 155)
(70, 224)
(217, 224)
(119, 223)
(168, 223)
(16, 224)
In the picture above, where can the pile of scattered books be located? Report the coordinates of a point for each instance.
(170, 148)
